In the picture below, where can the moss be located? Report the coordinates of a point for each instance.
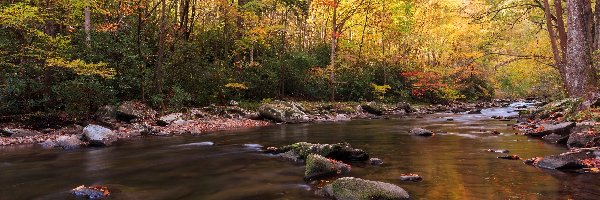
(359, 189)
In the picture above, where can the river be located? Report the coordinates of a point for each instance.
(454, 165)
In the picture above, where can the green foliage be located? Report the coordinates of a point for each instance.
(83, 95)
(379, 91)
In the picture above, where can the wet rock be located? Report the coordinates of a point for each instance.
(510, 157)
(546, 129)
(281, 111)
(373, 108)
(350, 188)
(99, 136)
(92, 192)
(131, 110)
(168, 119)
(421, 132)
(567, 161)
(411, 177)
(495, 132)
(533, 161)
(498, 150)
(583, 139)
(320, 167)
(473, 112)
(375, 161)
(69, 142)
(339, 151)
(555, 138)
(19, 132)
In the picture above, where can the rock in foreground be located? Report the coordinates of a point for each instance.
(92, 192)
(320, 167)
(350, 188)
(573, 160)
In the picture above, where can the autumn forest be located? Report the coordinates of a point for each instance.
(74, 56)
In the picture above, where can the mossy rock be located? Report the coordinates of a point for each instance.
(350, 188)
(320, 167)
(279, 111)
(339, 151)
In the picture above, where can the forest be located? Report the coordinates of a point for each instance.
(74, 56)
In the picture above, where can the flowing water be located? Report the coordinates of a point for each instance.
(229, 165)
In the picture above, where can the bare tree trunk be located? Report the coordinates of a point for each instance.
(158, 73)
(87, 26)
(560, 26)
(334, 35)
(597, 28)
(580, 76)
(552, 35)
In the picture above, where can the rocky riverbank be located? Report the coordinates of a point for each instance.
(569, 122)
(134, 119)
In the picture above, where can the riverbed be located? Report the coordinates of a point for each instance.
(230, 165)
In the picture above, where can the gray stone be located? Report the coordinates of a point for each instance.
(582, 139)
(279, 111)
(69, 142)
(350, 188)
(566, 161)
(98, 135)
(375, 161)
(560, 129)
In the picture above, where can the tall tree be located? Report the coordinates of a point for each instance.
(158, 73)
(580, 74)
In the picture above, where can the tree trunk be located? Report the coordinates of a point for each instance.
(334, 35)
(552, 35)
(580, 75)
(158, 73)
(87, 26)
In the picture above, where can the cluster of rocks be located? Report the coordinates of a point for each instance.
(549, 123)
(463, 107)
(324, 161)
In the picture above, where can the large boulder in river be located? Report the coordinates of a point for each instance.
(373, 108)
(98, 135)
(350, 188)
(130, 110)
(572, 160)
(320, 167)
(547, 129)
(280, 111)
(340, 151)
(421, 132)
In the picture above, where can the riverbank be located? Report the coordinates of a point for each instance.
(566, 122)
(134, 119)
